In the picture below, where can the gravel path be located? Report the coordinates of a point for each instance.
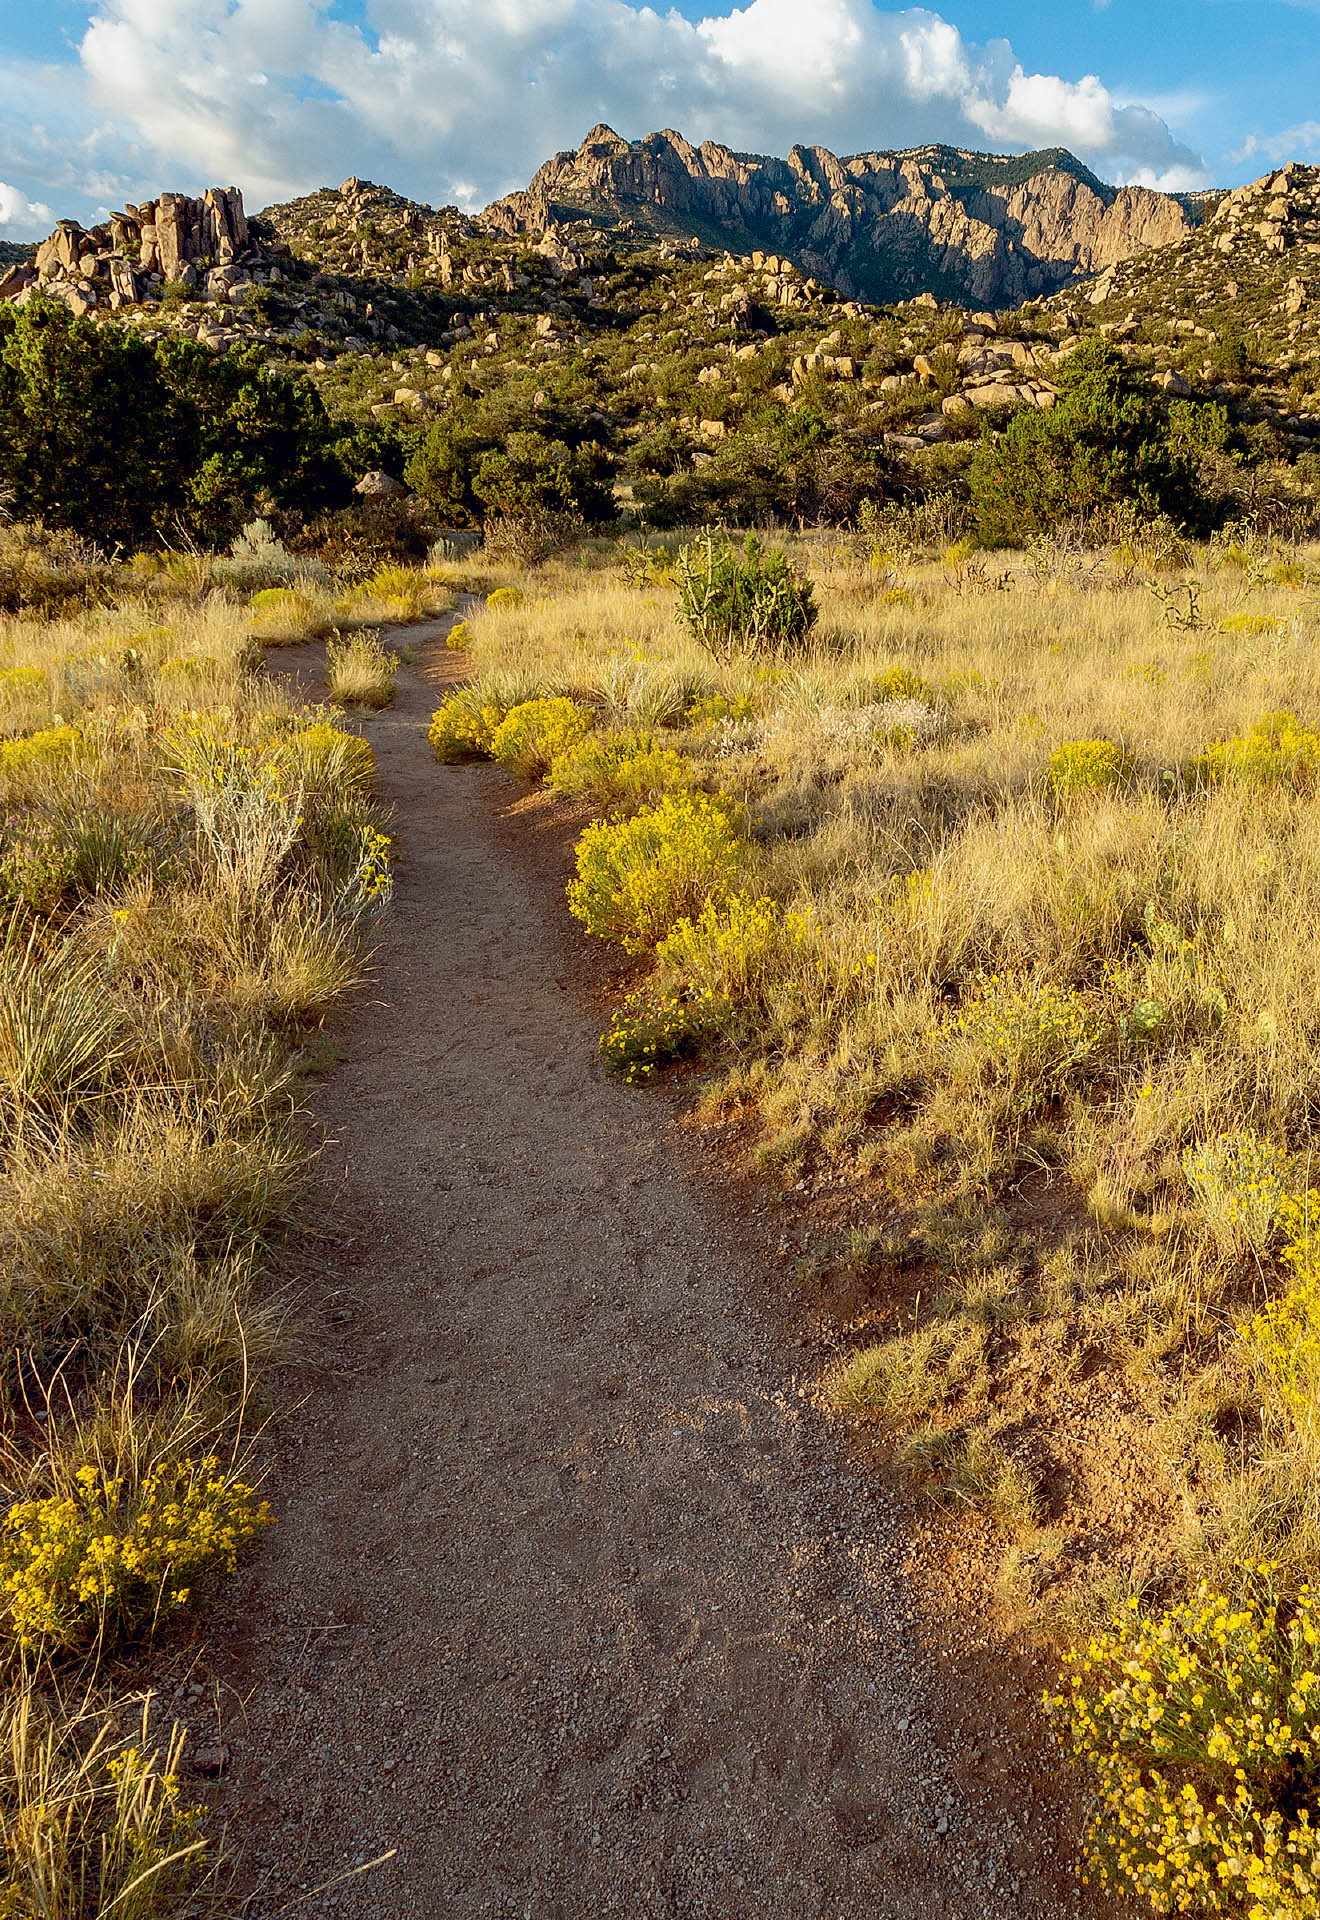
(574, 1604)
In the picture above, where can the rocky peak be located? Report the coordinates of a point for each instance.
(885, 225)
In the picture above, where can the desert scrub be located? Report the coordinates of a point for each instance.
(93, 1820)
(1277, 752)
(620, 769)
(653, 1028)
(1200, 1729)
(1023, 1034)
(94, 1565)
(1240, 1183)
(360, 672)
(325, 763)
(1087, 766)
(534, 734)
(636, 878)
(464, 727)
(743, 599)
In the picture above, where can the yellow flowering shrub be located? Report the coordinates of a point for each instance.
(19, 683)
(899, 683)
(34, 752)
(708, 709)
(458, 636)
(728, 949)
(1024, 1035)
(1201, 1728)
(400, 590)
(619, 769)
(505, 597)
(95, 1564)
(1088, 766)
(1251, 623)
(465, 726)
(1239, 1182)
(1284, 1337)
(532, 735)
(650, 1030)
(636, 878)
(1277, 752)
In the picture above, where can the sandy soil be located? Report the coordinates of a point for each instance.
(575, 1607)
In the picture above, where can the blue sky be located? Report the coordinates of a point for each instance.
(461, 99)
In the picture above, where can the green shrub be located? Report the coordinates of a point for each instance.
(1088, 766)
(1200, 1728)
(637, 878)
(533, 735)
(746, 599)
(1105, 443)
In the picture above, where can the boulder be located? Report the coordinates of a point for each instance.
(1176, 385)
(379, 486)
(995, 393)
(14, 279)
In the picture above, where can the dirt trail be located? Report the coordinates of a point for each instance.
(573, 1601)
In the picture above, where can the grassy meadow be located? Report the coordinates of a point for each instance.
(190, 866)
(990, 909)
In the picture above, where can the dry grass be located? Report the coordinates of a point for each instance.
(965, 921)
(360, 671)
(188, 867)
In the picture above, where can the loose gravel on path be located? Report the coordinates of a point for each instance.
(575, 1605)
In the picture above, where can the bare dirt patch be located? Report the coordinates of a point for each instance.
(577, 1605)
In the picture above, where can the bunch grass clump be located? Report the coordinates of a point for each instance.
(94, 1820)
(360, 671)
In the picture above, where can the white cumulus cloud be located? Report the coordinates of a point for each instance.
(21, 218)
(462, 99)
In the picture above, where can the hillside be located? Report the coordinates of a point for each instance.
(1236, 300)
(679, 378)
(985, 229)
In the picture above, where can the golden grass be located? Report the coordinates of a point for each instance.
(188, 865)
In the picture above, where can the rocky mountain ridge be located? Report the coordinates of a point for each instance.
(981, 229)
